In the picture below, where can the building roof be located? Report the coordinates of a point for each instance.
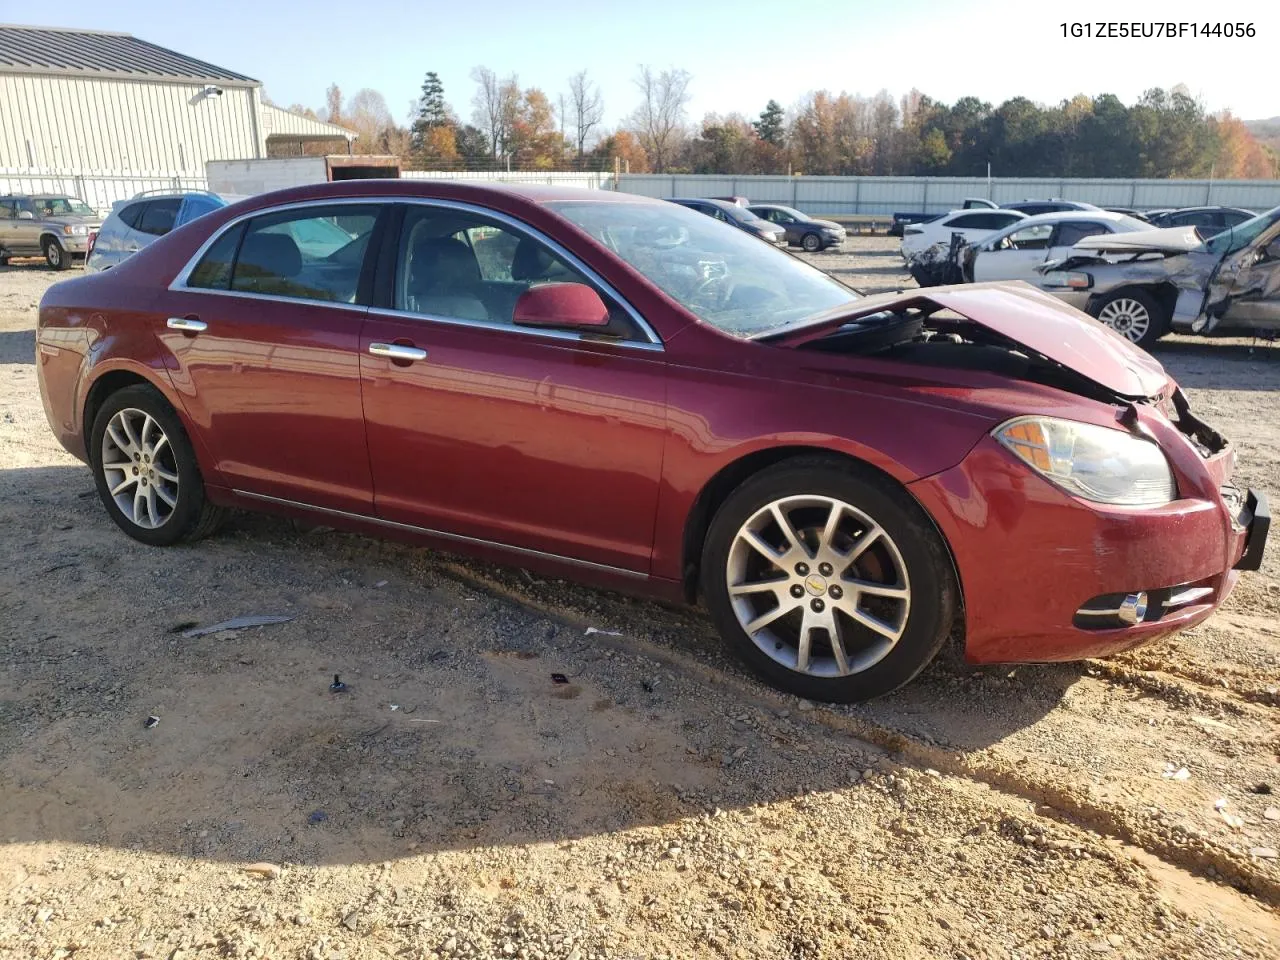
(65, 52)
(294, 126)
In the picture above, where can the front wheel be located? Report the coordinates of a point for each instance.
(828, 580)
(55, 256)
(811, 243)
(146, 472)
(1135, 315)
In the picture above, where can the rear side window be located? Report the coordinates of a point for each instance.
(131, 213)
(196, 206)
(213, 272)
(1072, 232)
(312, 254)
(967, 221)
(157, 219)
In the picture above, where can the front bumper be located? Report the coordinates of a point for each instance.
(1031, 557)
(74, 244)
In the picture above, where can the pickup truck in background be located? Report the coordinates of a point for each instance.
(901, 220)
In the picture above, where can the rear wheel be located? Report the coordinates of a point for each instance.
(54, 255)
(1135, 315)
(828, 580)
(811, 242)
(146, 472)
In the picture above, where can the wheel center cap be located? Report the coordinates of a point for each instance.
(815, 584)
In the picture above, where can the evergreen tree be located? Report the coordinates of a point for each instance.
(771, 127)
(433, 113)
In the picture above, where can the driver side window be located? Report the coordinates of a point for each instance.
(457, 265)
(1029, 238)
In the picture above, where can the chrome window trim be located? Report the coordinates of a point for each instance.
(572, 336)
(444, 535)
(654, 342)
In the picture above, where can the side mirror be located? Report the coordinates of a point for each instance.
(571, 305)
(26, 215)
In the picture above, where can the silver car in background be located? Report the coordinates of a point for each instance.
(135, 223)
(54, 226)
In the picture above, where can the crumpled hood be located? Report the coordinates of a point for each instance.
(1027, 316)
(1166, 240)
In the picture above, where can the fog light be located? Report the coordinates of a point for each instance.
(1133, 608)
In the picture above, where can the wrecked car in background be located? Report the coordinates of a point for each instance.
(1144, 285)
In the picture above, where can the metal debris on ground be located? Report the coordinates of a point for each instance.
(150, 721)
(337, 686)
(603, 633)
(236, 623)
(1182, 773)
(380, 584)
(317, 816)
(559, 678)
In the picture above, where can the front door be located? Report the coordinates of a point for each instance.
(266, 332)
(1251, 279)
(1014, 257)
(543, 440)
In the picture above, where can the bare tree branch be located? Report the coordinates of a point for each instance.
(660, 116)
(586, 107)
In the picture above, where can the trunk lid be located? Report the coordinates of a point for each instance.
(1022, 314)
(1167, 240)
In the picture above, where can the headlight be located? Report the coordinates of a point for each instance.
(1076, 281)
(76, 230)
(1096, 463)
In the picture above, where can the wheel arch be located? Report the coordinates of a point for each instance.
(731, 476)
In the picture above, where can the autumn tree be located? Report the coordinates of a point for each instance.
(433, 140)
(771, 127)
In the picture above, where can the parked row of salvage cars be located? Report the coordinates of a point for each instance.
(1142, 280)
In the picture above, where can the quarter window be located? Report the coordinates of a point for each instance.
(131, 214)
(157, 218)
(1071, 233)
(213, 272)
(316, 254)
(8, 211)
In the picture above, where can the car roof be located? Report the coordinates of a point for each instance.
(531, 193)
(967, 210)
(723, 204)
(1057, 215)
(1210, 207)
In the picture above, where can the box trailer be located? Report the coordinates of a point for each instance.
(248, 177)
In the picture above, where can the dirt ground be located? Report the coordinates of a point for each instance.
(455, 802)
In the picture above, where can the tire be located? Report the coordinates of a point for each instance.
(906, 557)
(811, 243)
(170, 511)
(54, 255)
(1135, 315)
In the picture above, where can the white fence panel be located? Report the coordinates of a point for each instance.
(592, 181)
(881, 196)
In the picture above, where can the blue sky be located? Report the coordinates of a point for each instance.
(740, 52)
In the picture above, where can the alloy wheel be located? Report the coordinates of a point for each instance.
(818, 586)
(53, 254)
(140, 469)
(1127, 317)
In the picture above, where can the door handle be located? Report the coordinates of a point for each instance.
(190, 324)
(397, 351)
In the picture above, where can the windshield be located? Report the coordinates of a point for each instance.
(62, 207)
(1242, 234)
(725, 277)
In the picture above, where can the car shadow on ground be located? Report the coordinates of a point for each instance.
(17, 346)
(471, 715)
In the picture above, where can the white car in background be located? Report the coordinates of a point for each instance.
(1015, 252)
(973, 225)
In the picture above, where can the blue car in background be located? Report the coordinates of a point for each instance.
(137, 222)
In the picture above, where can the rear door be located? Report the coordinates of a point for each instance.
(118, 237)
(539, 439)
(26, 231)
(267, 335)
(8, 223)
(1070, 232)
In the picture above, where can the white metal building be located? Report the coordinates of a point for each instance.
(81, 102)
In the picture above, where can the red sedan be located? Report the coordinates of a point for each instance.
(623, 391)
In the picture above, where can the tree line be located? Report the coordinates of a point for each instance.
(1166, 133)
